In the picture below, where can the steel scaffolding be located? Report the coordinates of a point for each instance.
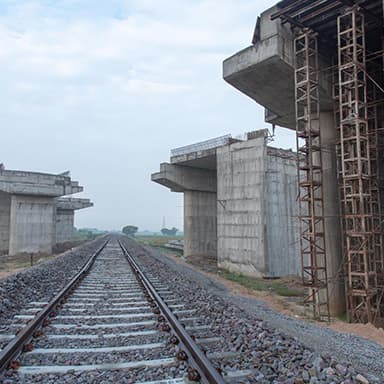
(358, 162)
(375, 114)
(310, 178)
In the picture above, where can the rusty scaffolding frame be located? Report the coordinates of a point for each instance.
(359, 120)
(376, 130)
(358, 156)
(310, 178)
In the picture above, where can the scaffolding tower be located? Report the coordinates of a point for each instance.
(310, 178)
(375, 131)
(358, 157)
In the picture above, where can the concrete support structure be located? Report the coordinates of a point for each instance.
(256, 195)
(5, 216)
(199, 187)
(237, 196)
(271, 72)
(331, 214)
(65, 217)
(200, 224)
(28, 210)
(32, 227)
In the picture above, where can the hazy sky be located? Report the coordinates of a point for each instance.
(105, 88)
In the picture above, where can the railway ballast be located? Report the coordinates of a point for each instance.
(130, 318)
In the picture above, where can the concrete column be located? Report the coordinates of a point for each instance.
(200, 216)
(282, 256)
(65, 217)
(240, 196)
(32, 226)
(64, 225)
(5, 212)
(331, 213)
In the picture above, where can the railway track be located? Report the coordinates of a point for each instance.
(111, 322)
(126, 317)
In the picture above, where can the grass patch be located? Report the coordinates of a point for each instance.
(259, 284)
(19, 262)
(343, 317)
(155, 241)
(158, 242)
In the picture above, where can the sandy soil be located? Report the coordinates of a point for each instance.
(288, 307)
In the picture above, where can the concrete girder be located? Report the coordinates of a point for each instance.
(70, 203)
(265, 73)
(180, 178)
(28, 208)
(35, 183)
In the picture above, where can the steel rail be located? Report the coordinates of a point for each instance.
(196, 357)
(15, 346)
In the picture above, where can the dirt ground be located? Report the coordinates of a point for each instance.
(13, 264)
(289, 307)
(9, 266)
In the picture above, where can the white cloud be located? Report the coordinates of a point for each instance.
(107, 88)
(131, 85)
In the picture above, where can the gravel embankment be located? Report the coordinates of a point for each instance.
(282, 349)
(99, 325)
(41, 282)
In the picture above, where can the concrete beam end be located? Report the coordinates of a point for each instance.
(181, 178)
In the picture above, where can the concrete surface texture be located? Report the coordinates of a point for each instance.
(65, 217)
(32, 226)
(180, 178)
(280, 214)
(200, 217)
(36, 183)
(28, 208)
(64, 226)
(264, 71)
(237, 198)
(241, 242)
(5, 214)
(257, 211)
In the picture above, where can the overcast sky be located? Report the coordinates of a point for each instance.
(105, 88)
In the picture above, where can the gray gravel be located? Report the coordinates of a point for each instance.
(243, 334)
(40, 282)
(337, 357)
(90, 313)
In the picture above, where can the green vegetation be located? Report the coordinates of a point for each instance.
(258, 284)
(343, 317)
(159, 242)
(169, 232)
(130, 230)
(16, 263)
(87, 233)
(156, 241)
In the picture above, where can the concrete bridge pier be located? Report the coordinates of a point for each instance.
(31, 224)
(200, 205)
(28, 209)
(200, 223)
(65, 217)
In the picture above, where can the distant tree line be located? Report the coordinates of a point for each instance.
(169, 232)
(130, 230)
